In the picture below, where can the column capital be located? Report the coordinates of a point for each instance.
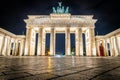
(28, 27)
(91, 27)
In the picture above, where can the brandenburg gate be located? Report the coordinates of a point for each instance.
(60, 21)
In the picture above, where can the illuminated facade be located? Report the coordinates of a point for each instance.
(60, 21)
(18, 45)
(11, 44)
(110, 43)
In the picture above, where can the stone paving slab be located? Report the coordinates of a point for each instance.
(1, 74)
(37, 77)
(107, 76)
(38, 72)
(72, 77)
(63, 68)
(62, 72)
(13, 76)
(13, 72)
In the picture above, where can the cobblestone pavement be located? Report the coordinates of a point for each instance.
(59, 68)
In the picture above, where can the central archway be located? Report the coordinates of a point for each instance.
(60, 44)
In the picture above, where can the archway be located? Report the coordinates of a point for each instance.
(36, 43)
(108, 46)
(101, 49)
(60, 44)
(84, 44)
(11, 48)
(47, 45)
(72, 42)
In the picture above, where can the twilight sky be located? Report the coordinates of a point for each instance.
(12, 13)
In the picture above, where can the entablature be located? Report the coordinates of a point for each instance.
(60, 18)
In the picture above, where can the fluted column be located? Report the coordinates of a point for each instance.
(16, 48)
(52, 41)
(8, 47)
(112, 46)
(88, 42)
(21, 47)
(27, 41)
(92, 42)
(2, 44)
(111, 51)
(79, 43)
(116, 46)
(67, 42)
(39, 49)
(97, 47)
(32, 42)
(43, 41)
(4, 47)
(117, 41)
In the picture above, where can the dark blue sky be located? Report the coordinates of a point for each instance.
(12, 12)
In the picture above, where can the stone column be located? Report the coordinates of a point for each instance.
(8, 47)
(16, 48)
(88, 44)
(79, 43)
(43, 41)
(92, 42)
(39, 49)
(2, 44)
(116, 46)
(52, 41)
(27, 41)
(21, 47)
(32, 42)
(4, 47)
(112, 46)
(110, 42)
(67, 42)
(118, 40)
(97, 47)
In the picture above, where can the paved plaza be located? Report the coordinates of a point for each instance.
(59, 68)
